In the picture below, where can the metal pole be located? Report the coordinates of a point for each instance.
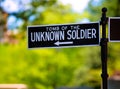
(103, 44)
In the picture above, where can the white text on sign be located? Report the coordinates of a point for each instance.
(57, 33)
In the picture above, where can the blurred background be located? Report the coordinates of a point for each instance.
(53, 68)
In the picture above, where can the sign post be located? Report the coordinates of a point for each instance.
(104, 52)
(66, 35)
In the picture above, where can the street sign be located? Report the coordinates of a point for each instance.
(65, 35)
(114, 29)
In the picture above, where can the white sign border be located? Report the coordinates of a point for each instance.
(64, 46)
(109, 29)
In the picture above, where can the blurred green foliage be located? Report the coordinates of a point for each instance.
(45, 68)
(51, 68)
(113, 10)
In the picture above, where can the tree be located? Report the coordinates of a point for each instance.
(94, 9)
(24, 10)
(95, 6)
(113, 11)
(41, 69)
(3, 18)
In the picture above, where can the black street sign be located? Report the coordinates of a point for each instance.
(114, 29)
(65, 35)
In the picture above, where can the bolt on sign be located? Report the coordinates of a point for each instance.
(114, 29)
(65, 35)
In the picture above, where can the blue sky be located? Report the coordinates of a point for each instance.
(77, 5)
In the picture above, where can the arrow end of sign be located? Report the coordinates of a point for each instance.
(62, 43)
(57, 43)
